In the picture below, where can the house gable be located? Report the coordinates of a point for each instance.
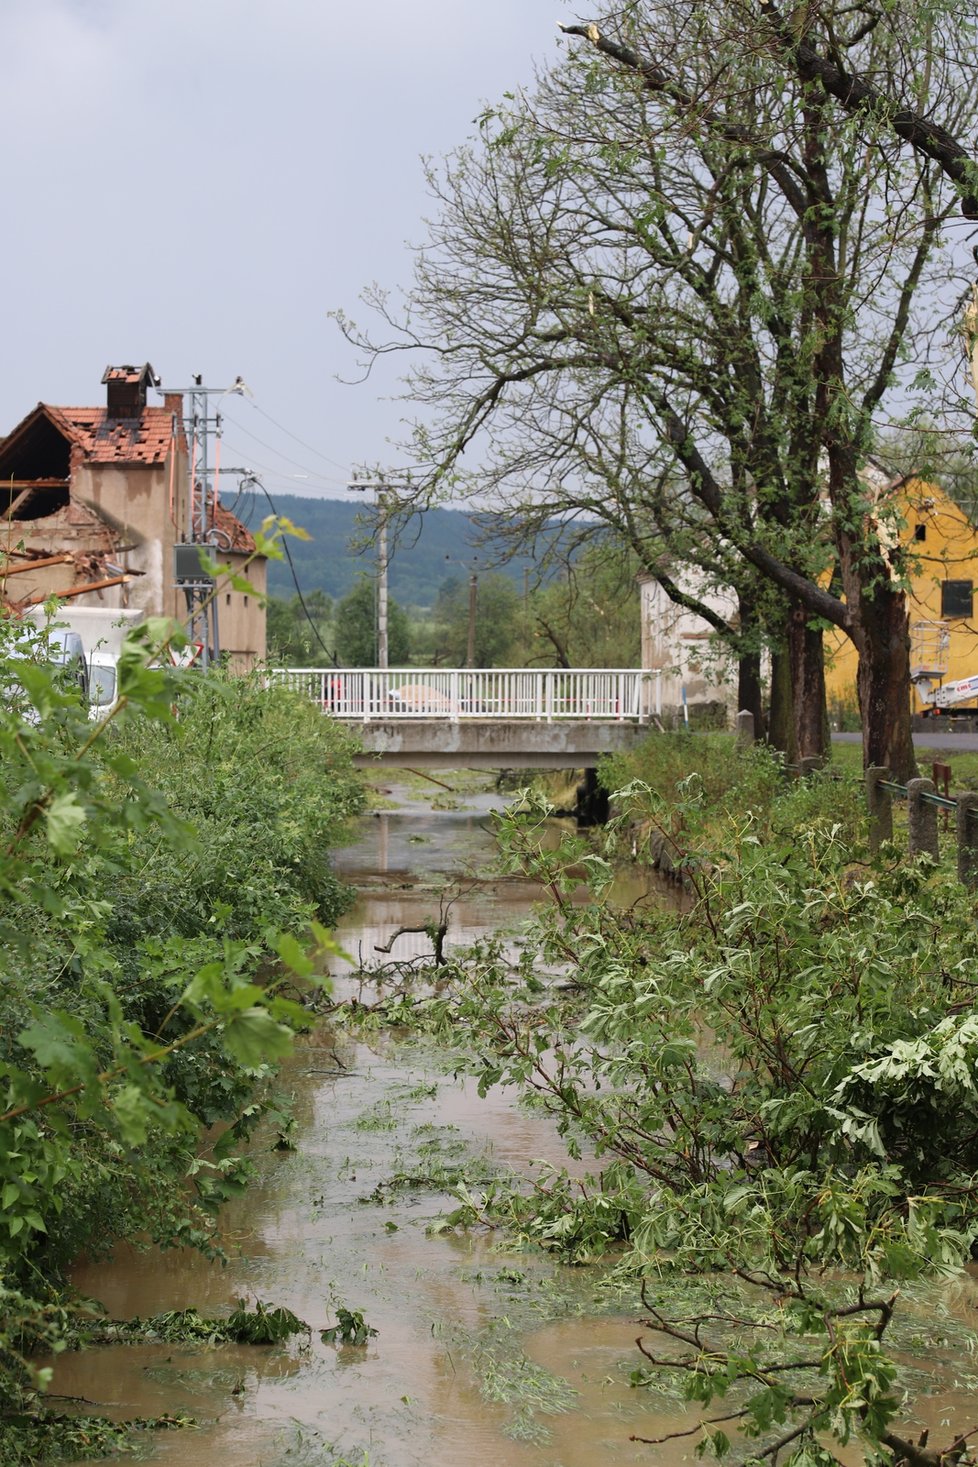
(35, 468)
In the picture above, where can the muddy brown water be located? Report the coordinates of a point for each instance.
(483, 1354)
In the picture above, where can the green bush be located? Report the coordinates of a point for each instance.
(163, 876)
(707, 789)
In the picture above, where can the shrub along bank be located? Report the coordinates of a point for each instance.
(150, 868)
(781, 1089)
(702, 789)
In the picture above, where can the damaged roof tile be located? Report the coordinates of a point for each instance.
(103, 440)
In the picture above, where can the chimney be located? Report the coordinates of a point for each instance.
(173, 403)
(125, 390)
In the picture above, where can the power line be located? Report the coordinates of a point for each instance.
(319, 454)
(313, 473)
(295, 580)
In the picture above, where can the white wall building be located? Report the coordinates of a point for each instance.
(696, 671)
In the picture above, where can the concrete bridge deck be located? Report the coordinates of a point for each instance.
(484, 744)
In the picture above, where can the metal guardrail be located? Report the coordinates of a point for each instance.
(900, 792)
(497, 694)
(923, 803)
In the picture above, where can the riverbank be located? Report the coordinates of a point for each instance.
(154, 866)
(605, 1115)
(484, 1351)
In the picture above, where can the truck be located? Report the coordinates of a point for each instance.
(929, 660)
(101, 630)
(955, 698)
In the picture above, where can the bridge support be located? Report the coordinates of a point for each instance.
(592, 800)
(428, 743)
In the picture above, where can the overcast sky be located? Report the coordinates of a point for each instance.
(197, 183)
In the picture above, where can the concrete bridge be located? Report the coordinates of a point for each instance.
(485, 718)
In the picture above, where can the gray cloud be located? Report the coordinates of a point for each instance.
(198, 184)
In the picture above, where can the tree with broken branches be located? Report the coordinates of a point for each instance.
(673, 292)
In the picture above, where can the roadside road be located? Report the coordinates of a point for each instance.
(948, 743)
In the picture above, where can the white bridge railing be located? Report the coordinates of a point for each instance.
(502, 693)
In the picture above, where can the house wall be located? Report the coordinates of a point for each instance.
(148, 506)
(135, 500)
(241, 614)
(684, 650)
(943, 545)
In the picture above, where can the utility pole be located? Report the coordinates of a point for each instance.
(473, 605)
(383, 657)
(382, 489)
(473, 599)
(200, 424)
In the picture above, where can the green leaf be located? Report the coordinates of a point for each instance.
(65, 820)
(253, 1037)
(293, 955)
(132, 1111)
(61, 1045)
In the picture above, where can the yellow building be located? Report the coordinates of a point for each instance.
(942, 546)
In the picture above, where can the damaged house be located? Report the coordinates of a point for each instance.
(93, 501)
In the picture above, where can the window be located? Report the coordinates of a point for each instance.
(956, 598)
(920, 532)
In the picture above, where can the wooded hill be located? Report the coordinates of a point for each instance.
(434, 547)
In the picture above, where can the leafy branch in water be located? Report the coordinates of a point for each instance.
(265, 1324)
(350, 1329)
(51, 1436)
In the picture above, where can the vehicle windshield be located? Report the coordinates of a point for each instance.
(102, 685)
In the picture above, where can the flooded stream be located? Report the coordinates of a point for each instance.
(481, 1355)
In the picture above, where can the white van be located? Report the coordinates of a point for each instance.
(56, 645)
(103, 683)
(66, 651)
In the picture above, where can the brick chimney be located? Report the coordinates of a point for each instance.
(125, 390)
(173, 404)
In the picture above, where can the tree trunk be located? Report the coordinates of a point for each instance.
(807, 660)
(781, 725)
(750, 692)
(883, 641)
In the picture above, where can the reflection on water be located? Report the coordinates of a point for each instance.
(467, 1365)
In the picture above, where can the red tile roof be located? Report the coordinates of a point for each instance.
(105, 440)
(242, 540)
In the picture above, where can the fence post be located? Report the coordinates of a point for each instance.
(745, 729)
(880, 808)
(968, 840)
(922, 818)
